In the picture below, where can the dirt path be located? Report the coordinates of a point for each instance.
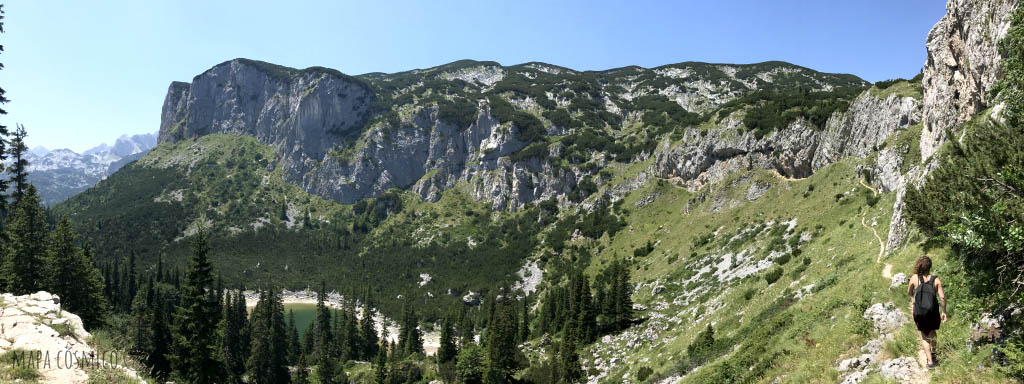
(920, 376)
(873, 190)
(881, 244)
(887, 271)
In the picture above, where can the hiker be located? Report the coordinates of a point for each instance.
(926, 293)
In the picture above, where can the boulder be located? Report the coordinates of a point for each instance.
(885, 317)
(898, 280)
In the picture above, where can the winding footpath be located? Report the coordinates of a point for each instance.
(920, 376)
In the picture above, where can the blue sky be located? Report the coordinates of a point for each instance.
(80, 73)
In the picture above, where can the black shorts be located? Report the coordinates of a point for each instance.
(928, 323)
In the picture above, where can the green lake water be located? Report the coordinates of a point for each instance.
(304, 315)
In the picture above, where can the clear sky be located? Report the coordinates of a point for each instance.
(83, 72)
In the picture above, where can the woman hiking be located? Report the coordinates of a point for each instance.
(925, 291)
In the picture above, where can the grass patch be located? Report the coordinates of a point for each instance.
(18, 364)
(904, 343)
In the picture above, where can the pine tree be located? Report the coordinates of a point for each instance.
(294, 348)
(132, 278)
(381, 366)
(524, 321)
(3, 146)
(268, 362)
(195, 358)
(410, 340)
(469, 365)
(502, 347)
(19, 164)
(446, 351)
(160, 269)
(231, 348)
(581, 310)
(324, 341)
(353, 347)
(242, 319)
(368, 332)
(71, 275)
(301, 371)
(142, 318)
(158, 359)
(465, 329)
(569, 368)
(26, 245)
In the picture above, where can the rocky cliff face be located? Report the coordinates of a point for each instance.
(795, 152)
(963, 64)
(348, 138)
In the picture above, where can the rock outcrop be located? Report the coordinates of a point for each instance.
(795, 152)
(962, 66)
(36, 323)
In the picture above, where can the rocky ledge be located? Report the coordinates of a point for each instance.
(36, 325)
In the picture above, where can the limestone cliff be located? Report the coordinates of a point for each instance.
(963, 64)
(348, 138)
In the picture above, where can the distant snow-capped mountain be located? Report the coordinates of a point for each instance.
(62, 173)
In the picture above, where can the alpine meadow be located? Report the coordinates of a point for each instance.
(481, 223)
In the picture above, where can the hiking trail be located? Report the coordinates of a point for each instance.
(918, 375)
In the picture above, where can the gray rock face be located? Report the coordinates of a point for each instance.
(862, 129)
(886, 317)
(794, 152)
(317, 119)
(898, 280)
(963, 63)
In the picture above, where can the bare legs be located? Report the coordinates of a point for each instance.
(928, 344)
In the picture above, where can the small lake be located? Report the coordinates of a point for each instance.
(304, 315)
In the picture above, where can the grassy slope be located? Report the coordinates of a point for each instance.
(802, 340)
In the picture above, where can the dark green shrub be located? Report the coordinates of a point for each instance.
(773, 275)
(782, 260)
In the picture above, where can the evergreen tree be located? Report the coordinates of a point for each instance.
(26, 245)
(242, 319)
(368, 332)
(195, 358)
(18, 169)
(446, 351)
(72, 276)
(231, 348)
(524, 321)
(142, 318)
(3, 146)
(353, 347)
(469, 365)
(132, 278)
(502, 347)
(323, 346)
(410, 340)
(294, 348)
(157, 359)
(701, 346)
(465, 329)
(569, 368)
(301, 371)
(381, 365)
(268, 361)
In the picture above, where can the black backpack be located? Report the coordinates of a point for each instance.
(926, 301)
